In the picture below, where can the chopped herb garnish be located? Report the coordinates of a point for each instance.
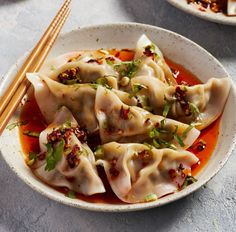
(148, 145)
(186, 131)
(179, 140)
(16, 124)
(136, 88)
(194, 110)
(66, 125)
(188, 180)
(54, 154)
(163, 121)
(156, 144)
(94, 86)
(150, 51)
(166, 109)
(110, 60)
(49, 158)
(32, 158)
(31, 133)
(143, 102)
(99, 153)
(71, 194)
(102, 81)
(127, 68)
(150, 197)
(53, 68)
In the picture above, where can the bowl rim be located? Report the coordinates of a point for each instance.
(126, 207)
(227, 20)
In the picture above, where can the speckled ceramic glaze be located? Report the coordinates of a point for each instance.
(175, 47)
(211, 16)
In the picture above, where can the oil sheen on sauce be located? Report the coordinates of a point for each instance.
(35, 122)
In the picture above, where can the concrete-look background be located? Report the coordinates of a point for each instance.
(212, 208)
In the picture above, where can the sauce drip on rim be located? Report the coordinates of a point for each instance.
(202, 148)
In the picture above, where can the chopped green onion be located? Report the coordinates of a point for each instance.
(53, 68)
(94, 86)
(127, 68)
(102, 81)
(136, 88)
(156, 144)
(150, 197)
(163, 121)
(16, 124)
(31, 133)
(71, 194)
(188, 180)
(166, 110)
(66, 125)
(179, 140)
(70, 82)
(194, 110)
(154, 133)
(148, 145)
(109, 61)
(99, 153)
(32, 158)
(187, 130)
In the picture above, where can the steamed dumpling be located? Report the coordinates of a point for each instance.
(152, 61)
(123, 123)
(201, 104)
(65, 161)
(51, 95)
(136, 172)
(79, 98)
(82, 67)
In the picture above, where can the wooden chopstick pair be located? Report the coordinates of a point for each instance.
(18, 88)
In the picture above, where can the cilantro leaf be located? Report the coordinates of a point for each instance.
(54, 155)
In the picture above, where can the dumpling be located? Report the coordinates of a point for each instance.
(79, 98)
(152, 61)
(51, 95)
(65, 159)
(82, 67)
(150, 93)
(200, 104)
(137, 173)
(53, 64)
(122, 123)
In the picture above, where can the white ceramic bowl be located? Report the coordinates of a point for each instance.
(210, 16)
(175, 47)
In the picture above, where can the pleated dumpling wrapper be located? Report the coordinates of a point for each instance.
(65, 160)
(78, 98)
(137, 173)
(200, 104)
(122, 123)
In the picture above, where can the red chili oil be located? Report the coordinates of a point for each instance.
(36, 123)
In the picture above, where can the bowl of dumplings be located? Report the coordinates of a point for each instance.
(121, 117)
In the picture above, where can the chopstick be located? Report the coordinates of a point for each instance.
(30, 60)
(12, 98)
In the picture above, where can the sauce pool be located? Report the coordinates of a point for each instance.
(35, 122)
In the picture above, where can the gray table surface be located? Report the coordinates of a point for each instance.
(212, 208)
